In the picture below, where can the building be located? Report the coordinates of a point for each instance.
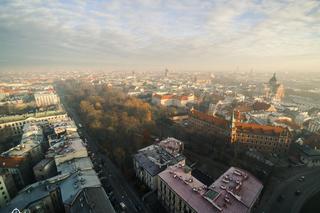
(65, 126)
(7, 188)
(83, 190)
(16, 123)
(45, 169)
(263, 138)
(302, 118)
(172, 146)
(166, 72)
(44, 99)
(75, 188)
(68, 149)
(173, 100)
(91, 199)
(179, 117)
(209, 123)
(31, 147)
(235, 191)
(66, 143)
(20, 159)
(314, 125)
(38, 197)
(19, 168)
(310, 157)
(151, 160)
(273, 90)
(75, 165)
(72, 191)
(263, 106)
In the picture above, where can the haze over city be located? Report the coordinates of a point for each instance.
(159, 106)
(152, 34)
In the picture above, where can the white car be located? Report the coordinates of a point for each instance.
(123, 206)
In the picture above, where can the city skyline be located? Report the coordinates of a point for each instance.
(152, 35)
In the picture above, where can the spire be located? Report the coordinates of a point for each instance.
(192, 110)
(166, 72)
(273, 79)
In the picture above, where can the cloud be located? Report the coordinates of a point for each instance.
(190, 34)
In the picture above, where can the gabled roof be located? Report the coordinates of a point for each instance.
(260, 129)
(210, 118)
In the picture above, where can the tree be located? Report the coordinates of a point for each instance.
(121, 124)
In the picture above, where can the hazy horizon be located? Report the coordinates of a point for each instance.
(274, 36)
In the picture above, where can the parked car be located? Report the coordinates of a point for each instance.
(123, 206)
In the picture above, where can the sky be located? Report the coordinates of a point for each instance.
(216, 35)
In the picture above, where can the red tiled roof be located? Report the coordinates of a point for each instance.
(252, 127)
(163, 97)
(10, 162)
(168, 96)
(239, 116)
(184, 97)
(209, 118)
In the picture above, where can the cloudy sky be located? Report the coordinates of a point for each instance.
(272, 35)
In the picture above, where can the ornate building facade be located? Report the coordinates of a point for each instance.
(264, 138)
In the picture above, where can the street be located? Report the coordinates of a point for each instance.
(121, 190)
(290, 194)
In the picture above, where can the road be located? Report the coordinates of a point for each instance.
(292, 202)
(122, 191)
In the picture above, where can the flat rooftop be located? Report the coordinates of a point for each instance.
(65, 125)
(31, 138)
(75, 165)
(187, 187)
(155, 159)
(237, 189)
(172, 145)
(234, 191)
(95, 201)
(70, 184)
(68, 150)
(76, 182)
